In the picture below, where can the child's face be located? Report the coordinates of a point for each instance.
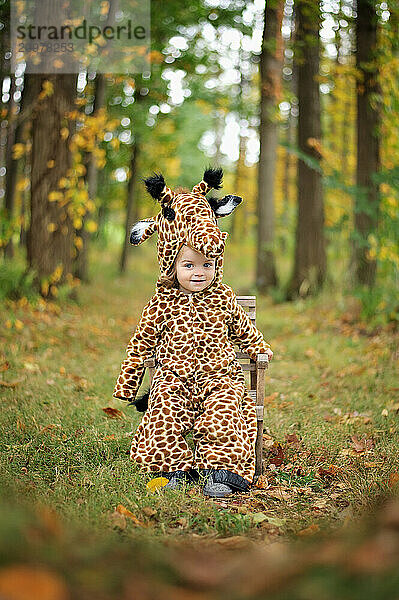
(194, 271)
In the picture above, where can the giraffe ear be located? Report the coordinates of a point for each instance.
(141, 231)
(224, 206)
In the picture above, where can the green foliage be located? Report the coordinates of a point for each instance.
(15, 281)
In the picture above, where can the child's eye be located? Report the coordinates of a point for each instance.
(208, 264)
(188, 265)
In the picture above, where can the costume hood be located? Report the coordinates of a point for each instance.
(187, 218)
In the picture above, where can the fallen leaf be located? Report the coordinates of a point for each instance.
(10, 384)
(149, 512)
(277, 453)
(235, 541)
(23, 582)
(113, 413)
(258, 517)
(183, 522)
(157, 483)
(118, 520)
(272, 397)
(129, 515)
(262, 483)
(330, 472)
(4, 367)
(311, 530)
(393, 479)
(279, 493)
(292, 439)
(361, 445)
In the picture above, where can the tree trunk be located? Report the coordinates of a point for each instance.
(81, 261)
(368, 151)
(310, 254)
(131, 205)
(270, 91)
(50, 237)
(10, 165)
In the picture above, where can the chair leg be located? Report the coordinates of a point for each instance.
(261, 366)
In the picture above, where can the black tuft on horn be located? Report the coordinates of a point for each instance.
(213, 178)
(155, 185)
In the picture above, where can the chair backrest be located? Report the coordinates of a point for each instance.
(247, 364)
(249, 305)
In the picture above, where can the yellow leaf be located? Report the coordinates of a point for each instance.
(18, 150)
(63, 182)
(47, 89)
(54, 196)
(64, 133)
(18, 324)
(52, 227)
(91, 226)
(22, 184)
(157, 483)
(50, 164)
(78, 242)
(77, 223)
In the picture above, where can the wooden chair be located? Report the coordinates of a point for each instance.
(257, 371)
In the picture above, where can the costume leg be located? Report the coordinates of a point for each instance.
(225, 426)
(159, 444)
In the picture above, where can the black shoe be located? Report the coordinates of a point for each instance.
(177, 479)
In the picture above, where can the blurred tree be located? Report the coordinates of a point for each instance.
(310, 255)
(270, 96)
(368, 147)
(50, 236)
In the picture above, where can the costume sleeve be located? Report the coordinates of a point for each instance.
(244, 333)
(141, 346)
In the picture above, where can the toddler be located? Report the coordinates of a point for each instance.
(191, 324)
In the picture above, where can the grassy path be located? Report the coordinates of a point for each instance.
(332, 402)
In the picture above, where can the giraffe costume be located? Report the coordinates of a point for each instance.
(198, 384)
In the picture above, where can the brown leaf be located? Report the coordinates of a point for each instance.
(311, 530)
(118, 520)
(279, 493)
(10, 384)
(361, 445)
(4, 367)
(292, 439)
(235, 541)
(330, 472)
(113, 413)
(149, 512)
(277, 454)
(23, 582)
(393, 479)
(272, 397)
(262, 483)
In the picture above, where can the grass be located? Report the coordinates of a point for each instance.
(331, 379)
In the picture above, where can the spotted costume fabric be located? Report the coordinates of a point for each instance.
(198, 386)
(198, 383)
